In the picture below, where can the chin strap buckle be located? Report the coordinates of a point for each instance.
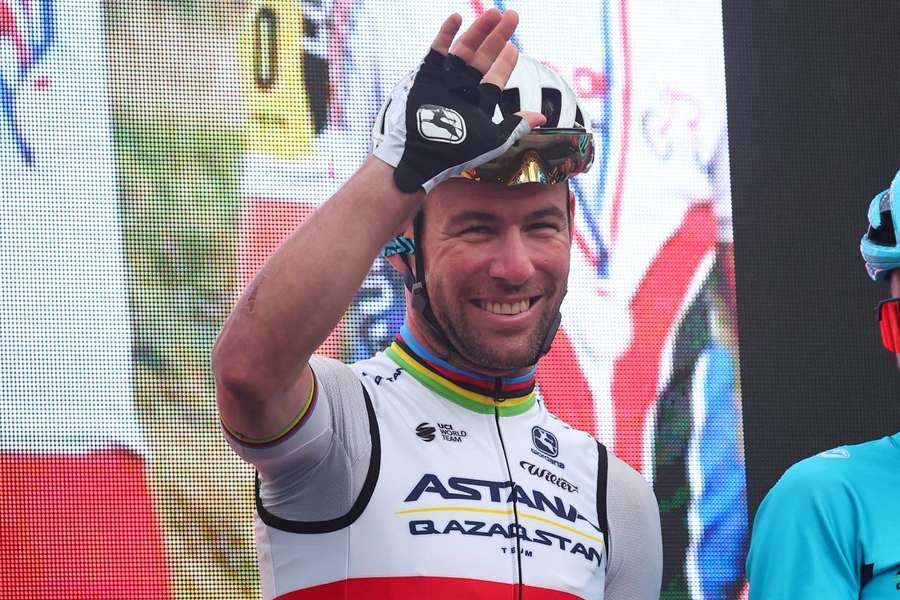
(551, 334)
(419, 296)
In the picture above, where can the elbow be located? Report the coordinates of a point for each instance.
(233, 374)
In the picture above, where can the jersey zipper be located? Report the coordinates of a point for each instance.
(512, 489)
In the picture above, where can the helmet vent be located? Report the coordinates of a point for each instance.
(509, 102)
(551, 102)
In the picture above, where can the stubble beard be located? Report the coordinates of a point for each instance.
(472, 347)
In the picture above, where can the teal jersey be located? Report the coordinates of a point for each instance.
(830, 528)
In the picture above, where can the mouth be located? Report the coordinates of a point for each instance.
(507, 308)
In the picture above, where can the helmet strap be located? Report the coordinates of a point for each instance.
(415, 283)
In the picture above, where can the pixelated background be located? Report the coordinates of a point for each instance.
(154, 153)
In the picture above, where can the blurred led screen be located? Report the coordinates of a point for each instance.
(154, 153)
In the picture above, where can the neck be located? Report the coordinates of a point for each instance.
(427, 342)
(507, 385)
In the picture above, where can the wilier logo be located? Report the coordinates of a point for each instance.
(440, 124)
(548, 475)
(426, 432)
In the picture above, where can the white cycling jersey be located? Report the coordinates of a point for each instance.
(408, 478)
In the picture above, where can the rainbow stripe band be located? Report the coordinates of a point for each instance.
(471, 391)
(291, 427)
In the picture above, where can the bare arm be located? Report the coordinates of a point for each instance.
(260, 359)
(293, 303)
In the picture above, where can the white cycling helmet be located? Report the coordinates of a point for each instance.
(562, 147)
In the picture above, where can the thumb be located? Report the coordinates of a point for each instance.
(534, 119)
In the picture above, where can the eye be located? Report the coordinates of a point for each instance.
(476, 230)
(543, 227)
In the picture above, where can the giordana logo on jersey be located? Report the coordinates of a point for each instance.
(440, 124)
(27, 33)
(548, 475)
(425, 431)
(545, 445)
(544, 441)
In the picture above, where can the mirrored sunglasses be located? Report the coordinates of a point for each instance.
(889, 320)
(543, 156)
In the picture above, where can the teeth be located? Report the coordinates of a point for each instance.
(506, 308)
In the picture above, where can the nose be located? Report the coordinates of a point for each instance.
(512, 261)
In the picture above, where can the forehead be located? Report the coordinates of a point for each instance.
(459, 195)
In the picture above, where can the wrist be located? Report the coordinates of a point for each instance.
(375, 180)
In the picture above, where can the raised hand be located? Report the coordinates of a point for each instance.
(439, 121)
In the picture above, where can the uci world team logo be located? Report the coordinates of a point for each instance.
(27, 32)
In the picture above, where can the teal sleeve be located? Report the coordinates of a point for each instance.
(804, 540)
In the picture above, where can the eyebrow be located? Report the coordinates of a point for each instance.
(477, 215)
(473, 215)
(550, 211)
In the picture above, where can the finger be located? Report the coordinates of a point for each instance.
(495, 42)
(535, 119)
(503, 67)
(468, 43)
(445, 36)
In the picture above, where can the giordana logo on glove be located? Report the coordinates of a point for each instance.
(441, 124)
(438, 123)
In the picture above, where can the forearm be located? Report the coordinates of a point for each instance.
(301, 292)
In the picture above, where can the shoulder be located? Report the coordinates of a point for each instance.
(821, 489)
(371, 371)
(573, 436)
(628, 491)
(826, 474)
(635, 544)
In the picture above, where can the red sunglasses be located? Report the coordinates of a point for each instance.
(889, 318)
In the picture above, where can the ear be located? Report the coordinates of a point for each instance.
(399, 264)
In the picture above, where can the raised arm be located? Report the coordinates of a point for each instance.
(293, 303)
(297, 297)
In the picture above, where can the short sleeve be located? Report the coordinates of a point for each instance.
(315, 471)
(635, 550)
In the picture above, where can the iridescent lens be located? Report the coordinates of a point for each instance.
(542, 156)
(889, 317)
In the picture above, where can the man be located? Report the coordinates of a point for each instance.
(829, 528)
(432, 470)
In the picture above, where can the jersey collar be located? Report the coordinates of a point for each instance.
(471, 390)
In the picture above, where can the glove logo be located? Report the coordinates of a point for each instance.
(440, 124)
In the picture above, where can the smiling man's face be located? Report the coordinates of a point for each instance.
(496, 265)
